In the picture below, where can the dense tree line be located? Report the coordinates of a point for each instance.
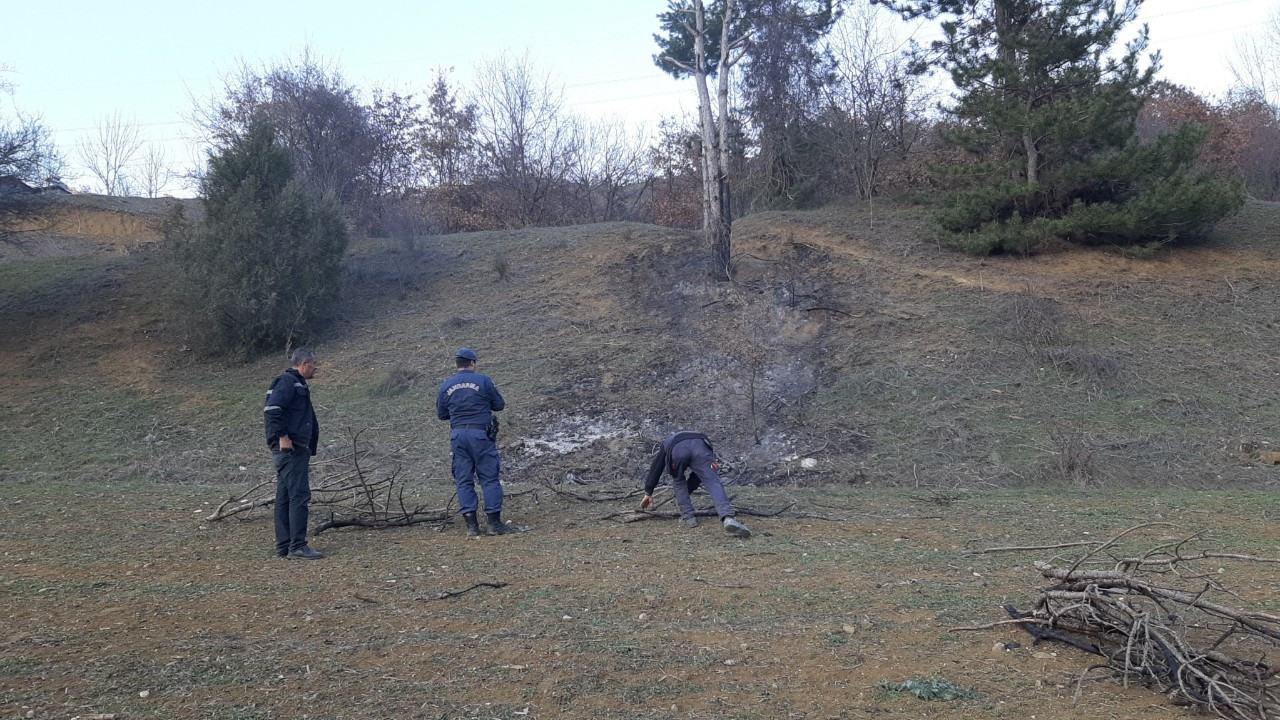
(820, 100)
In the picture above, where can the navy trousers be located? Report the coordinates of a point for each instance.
(475, 456)
(702, 472)
(293, 497)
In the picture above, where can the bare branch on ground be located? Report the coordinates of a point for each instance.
(452, 593)
(1158, 619)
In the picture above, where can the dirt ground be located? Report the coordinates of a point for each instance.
(949, 405)
(120, 601)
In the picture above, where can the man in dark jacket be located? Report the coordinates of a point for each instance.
(293, 434)
(468, 400)
(689, 459)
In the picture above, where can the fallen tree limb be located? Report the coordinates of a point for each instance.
(451, 593)
(242, 503)
(1023, 548)
(1158, 619)
(592, 497)
(636, 515)
(413, 518)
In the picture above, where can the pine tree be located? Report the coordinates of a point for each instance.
(785, 76)
(1049, 119)
(262, 268)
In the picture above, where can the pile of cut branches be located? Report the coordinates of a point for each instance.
(351, 490)
(1159, 617)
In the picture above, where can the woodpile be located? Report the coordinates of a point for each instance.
(1163, 618)
(351, 491)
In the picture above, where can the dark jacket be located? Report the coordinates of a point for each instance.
(289, 412)
(663, 459)
(468, 398)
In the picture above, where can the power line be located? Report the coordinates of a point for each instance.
(1195, 9)
(1207, 32)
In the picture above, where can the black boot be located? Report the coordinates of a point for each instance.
(497, 527)
(473, 527)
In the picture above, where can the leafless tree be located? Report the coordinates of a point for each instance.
(27, 150)
(108, 153)
(674, 158)
(447, 139)
(610, 174)
(878, 108)
(154, 171)
(315, 112)
(28, 153)
(1256, 63)
(528, 143)
(26, 145)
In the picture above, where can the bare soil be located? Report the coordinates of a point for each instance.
(120, 600)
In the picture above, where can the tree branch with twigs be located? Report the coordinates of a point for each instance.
(357, 494)
(1156, 617)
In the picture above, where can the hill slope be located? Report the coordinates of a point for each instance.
(846, 337)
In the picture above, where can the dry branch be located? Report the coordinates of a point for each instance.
(1159, 620)
(353, 493)
(420, 516)
(242, 503)
(453, 593)
(629, 516)
(592, 496)
(1016, 548)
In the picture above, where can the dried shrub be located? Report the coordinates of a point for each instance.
(1083, 361)
(397, 382)
(1073, 455)
(501, 265)
(1032, 321)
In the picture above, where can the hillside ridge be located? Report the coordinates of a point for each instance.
(846, 337)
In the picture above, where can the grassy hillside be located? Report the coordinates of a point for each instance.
(967, 416)
(847, 337)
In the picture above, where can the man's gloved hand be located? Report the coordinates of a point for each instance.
(646, 502)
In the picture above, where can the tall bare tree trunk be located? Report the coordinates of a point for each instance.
(714, 223)
(1033, 157)
(722, 226)
(717, 218)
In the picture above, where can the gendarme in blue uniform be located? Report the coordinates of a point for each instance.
(468, 400)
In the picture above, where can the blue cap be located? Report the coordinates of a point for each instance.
(467, 353)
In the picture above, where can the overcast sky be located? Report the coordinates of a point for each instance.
(75, 62)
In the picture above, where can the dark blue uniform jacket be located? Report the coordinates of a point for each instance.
(468, 398)
(289, 412)
(663, 459)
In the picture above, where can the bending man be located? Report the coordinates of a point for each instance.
(691, 462)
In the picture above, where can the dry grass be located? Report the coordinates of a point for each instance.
(810, 618)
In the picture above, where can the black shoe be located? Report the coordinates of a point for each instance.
(473, 527)
(282, 552)
(497, 527)
(305, 553)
